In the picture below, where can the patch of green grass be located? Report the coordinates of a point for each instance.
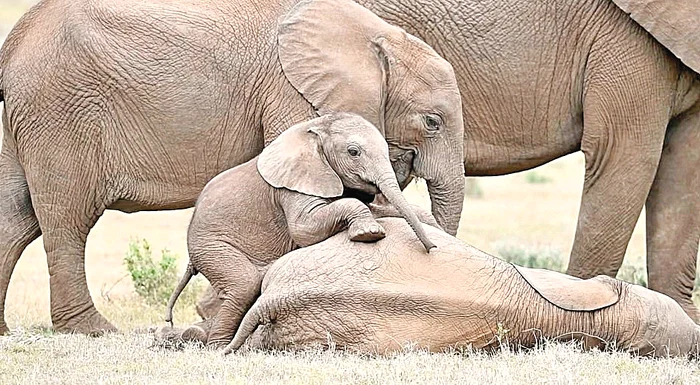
(534, 177)
(472, 189)
(545, 258)
(633, 274)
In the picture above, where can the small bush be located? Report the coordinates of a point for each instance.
(155, 281)
(633, 274)
(472, 188)
(549, 259)
(534, 177)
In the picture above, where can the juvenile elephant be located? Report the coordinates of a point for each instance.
(542, 79)
(377, 298)
(135, 105)
(289, 196)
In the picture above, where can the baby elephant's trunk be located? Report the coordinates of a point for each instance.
(390, 188)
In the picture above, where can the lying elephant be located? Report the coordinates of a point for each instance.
(377, 298)
(135, 105)
(618, 80)
(291, 195)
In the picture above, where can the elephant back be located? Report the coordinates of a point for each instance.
(673, 23)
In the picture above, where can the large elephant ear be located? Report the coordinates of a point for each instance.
(295, 161)
(570, 293)
(334, 53)
(673, 23)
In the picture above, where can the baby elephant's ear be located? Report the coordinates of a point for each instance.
(295, 161)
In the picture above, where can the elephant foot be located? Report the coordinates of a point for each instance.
(4, 330)
(365, 231)
(175, 338)
(92, 323)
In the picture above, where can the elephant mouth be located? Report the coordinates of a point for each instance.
(360, 195)
(404, 168)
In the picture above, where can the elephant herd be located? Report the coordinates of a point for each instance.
(293, 125)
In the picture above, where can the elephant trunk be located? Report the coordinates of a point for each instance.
(447, 196)
(390, 189)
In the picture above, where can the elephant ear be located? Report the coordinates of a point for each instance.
(334, 52)
(570, 293)
(672, 23)
(295, 161)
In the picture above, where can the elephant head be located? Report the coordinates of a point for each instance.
(325, 155)
(342, 57)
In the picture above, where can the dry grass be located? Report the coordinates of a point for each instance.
(536, 212)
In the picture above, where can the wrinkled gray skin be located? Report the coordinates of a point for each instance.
(379, 298)
(289, 196)
(135, 105)
(542, 79)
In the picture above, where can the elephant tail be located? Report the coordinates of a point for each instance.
(253, 318)
(190, 271)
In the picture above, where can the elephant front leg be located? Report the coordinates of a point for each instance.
(625, 116)
(312, 220)
(673, 224)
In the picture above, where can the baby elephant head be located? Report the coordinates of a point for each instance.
(323, 156)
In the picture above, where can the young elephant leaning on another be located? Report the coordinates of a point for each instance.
(291, 195)
(378, 298)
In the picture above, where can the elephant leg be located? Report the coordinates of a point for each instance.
(66, 211)
(18, 224)
(209, 304)
(238, 282)
(673, 225)
(625, 114)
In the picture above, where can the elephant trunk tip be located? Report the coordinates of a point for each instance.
(428, 245)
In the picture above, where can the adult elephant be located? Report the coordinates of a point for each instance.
(133, 105)
(379, 298)
(542, 79)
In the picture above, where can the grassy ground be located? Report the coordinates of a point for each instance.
(532, 213)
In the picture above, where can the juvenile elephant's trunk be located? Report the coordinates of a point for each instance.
(390, 188)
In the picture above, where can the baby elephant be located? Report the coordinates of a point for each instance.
(291, 195)
(379, 298)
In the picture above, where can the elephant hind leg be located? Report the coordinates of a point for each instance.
(237, 282)
(68, 199)
(18, 224)
(673, 224)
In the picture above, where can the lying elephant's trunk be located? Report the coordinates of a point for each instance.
(390, 188)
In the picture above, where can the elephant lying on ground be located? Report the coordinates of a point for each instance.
(379, 297)
(289, 196)
(135, 105)
(542, 79)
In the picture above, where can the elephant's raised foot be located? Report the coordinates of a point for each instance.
(365, 231)
(90, 323)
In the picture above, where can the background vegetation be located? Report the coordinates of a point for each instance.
(527, 218)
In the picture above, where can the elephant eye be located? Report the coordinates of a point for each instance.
(433, 122)
(353, 150)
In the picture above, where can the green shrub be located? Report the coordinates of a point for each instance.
(472, 188)
(633, 274)
(534, 177)
(549, 259)
(155, 281)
